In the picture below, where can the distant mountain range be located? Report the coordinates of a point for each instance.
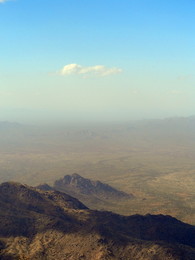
(50, 225)
(55, 136)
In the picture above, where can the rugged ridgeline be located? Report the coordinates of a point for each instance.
(78, 185)
(94, 194)
(38, 225)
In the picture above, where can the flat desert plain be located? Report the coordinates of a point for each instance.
(153, 159)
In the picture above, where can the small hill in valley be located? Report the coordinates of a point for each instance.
(93, 193)
(50, 225)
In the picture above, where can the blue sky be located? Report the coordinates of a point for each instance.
(96, 60)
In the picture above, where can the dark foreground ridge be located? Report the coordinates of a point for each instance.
(40, 225)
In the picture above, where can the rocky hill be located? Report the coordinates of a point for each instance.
(38, 225)
(92, 193)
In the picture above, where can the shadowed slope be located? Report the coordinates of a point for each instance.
(26, 211)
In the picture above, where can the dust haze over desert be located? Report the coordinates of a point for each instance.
(97, 130)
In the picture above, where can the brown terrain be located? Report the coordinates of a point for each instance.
(40, 225)
(153, 160)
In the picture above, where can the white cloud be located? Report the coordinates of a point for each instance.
(98, 70)
(2, 1)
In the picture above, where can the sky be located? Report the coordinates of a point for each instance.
(96, 60)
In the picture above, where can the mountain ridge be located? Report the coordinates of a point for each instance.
(79, 186)
(48, 225)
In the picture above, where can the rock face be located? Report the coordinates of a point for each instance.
(52, 225)
(76, 185)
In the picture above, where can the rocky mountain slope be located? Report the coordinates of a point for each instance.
(92, 193)
(52, 225)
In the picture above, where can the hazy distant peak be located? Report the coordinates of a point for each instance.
(7, 124)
